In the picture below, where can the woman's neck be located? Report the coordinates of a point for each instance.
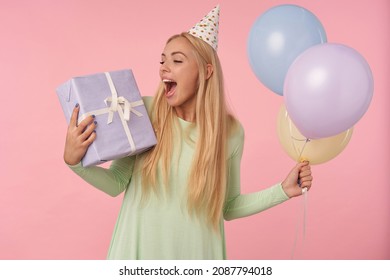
(187, 115)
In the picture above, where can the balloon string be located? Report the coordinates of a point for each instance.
(297, 139)
(307, 140)
(304, 191)
(290, 126)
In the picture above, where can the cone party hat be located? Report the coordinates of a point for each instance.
(207, 28)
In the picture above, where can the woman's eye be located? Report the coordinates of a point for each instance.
(175, 61)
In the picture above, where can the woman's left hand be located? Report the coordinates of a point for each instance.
(299, 178)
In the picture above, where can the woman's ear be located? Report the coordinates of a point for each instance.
(210, 70)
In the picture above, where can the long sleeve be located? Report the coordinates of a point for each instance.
(113, 180)
(239, 205)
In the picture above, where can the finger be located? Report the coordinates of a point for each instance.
(306, 184)
(306, 167)
(304, 173)
(90, 139)
(299, 166)
(88, 131)
(306, 179)
(86, 122)
(74, 116)
(303, 166)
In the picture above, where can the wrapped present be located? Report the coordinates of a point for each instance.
(123, 125)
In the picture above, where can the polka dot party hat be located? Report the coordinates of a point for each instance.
(207, 28)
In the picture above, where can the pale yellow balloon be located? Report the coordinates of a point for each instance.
(299, 148)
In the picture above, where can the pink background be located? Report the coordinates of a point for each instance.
(47, 212)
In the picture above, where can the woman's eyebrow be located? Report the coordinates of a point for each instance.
(178, 52)
(173, 53)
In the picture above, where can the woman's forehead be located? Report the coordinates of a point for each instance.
(179, 45)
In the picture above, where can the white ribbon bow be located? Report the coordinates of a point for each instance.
(118, 102)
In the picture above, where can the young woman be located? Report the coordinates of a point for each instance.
(178, 194)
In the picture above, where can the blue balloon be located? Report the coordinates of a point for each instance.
(277, 37)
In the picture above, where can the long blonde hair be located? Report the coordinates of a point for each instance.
(208, 175)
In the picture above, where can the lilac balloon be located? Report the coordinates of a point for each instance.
(327, 89)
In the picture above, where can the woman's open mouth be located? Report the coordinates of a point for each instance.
(170, 87)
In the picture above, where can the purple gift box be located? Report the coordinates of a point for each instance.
(123, 125)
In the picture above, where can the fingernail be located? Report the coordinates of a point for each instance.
(95, 122)
(77, 105)
(93, 116)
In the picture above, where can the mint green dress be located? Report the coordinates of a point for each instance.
(160, 227)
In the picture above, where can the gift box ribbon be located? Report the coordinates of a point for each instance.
(116, 104)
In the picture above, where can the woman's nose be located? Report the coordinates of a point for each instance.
(164, 67)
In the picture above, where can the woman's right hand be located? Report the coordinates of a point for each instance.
(78, 137)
